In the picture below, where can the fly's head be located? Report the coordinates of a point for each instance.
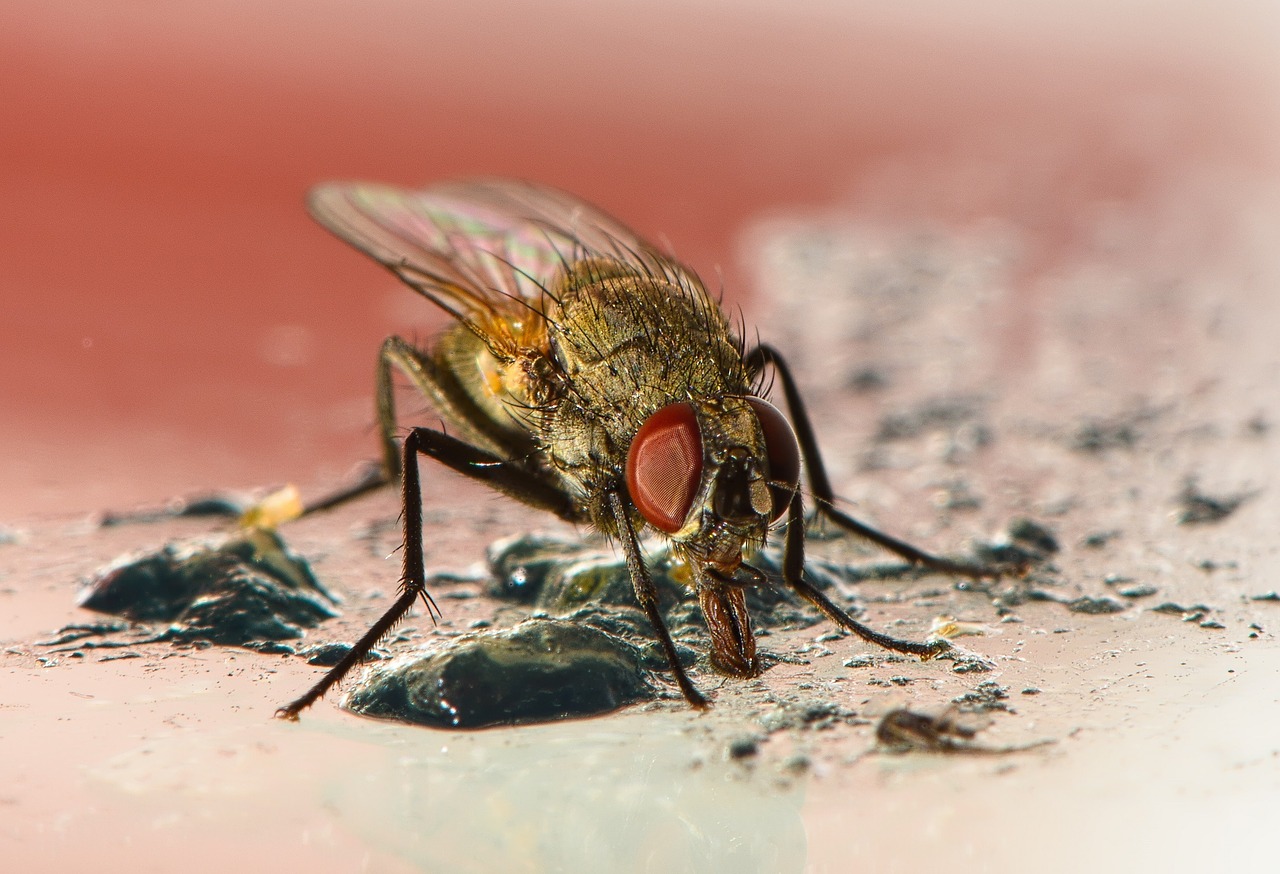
(713, 475)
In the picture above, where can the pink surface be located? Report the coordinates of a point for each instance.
(172, 319)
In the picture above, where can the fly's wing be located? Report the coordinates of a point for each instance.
(487, 251)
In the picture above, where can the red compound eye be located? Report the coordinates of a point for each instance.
(784, 454)
(664, 466)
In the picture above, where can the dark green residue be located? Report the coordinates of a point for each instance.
(540, 670)
(564, 577)
(518, 566)
(239, 591)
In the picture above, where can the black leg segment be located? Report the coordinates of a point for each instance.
(820, 484)
(478, 464)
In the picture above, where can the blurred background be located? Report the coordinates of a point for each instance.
(171, 320)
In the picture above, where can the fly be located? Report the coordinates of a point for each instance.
(591, 376)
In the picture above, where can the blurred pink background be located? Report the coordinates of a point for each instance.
(171, 320)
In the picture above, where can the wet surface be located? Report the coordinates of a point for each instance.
(540, 670)
(598, 653)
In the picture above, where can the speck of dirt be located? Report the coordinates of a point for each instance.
(862, 661)
(1209, 565)
(1266, 596)
(796, 763)
(1174, 609)
(1033, 534)
(806, 713)
(1257, 426)
(1198, 508)
(972, 665)
(984, 698)
(868, 379)
(1097, 436)
(1122, 431)
(1138, 591)
(743, 747)
(1024, 542)
(1096, 606)
(1099, 539)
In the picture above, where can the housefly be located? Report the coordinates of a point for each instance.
(593, 377)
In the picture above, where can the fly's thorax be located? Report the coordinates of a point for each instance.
(626, 344)
(630, 342)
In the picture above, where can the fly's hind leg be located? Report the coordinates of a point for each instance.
(526, 485)
(824, 495)
(441, 390)
(395, 353)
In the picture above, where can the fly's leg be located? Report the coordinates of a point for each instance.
(647, 595)
(438, 388)
(398, 353)
(507, 477)
(820, 484)
(444, 394)
(793, 576)
(395, 352)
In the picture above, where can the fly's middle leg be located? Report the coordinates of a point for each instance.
(824, 495)
(396, 354)
(793, 576)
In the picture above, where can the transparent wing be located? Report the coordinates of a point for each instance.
(487, 251)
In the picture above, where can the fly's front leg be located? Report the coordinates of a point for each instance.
(793, 576)
(647, 595)
(820, 484)
(521, 483)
